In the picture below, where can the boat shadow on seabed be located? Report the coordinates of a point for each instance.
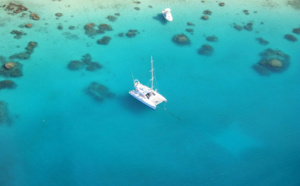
(160, 18)
(130, 103)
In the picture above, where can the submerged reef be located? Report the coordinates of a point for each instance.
(18, 34)
(93, 66)
(75, 65)
(29, 50)
(98, 91)
(4, 114)
(294, 3)
(207, 12)
(272, 61)
(206, 50)
(246, 12)
(28, 25)
(7, 84)
(238, 27)
(86, 61)
(104, 41)
(190, 24)
(205, 17)
(60, 27)
(290, 37)
(262, 41)
(105, 27)
(15, 8)
(221, 4)
(10, 69)
(132, 33)
(92, 30)
(296, 30)
(34, 16)
(190, 30)
(248, 26)
(121, 34)
(58, 14)
(212, 38)
(181, 39)
(111, 18)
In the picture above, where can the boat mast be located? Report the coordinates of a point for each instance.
(152, 69)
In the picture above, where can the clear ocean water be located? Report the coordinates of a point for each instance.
(225, 124)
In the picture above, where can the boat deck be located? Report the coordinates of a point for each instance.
(156, 99)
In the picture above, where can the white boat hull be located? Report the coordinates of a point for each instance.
(146, 95)
(152, 101)
(167, 14)
(142, 100)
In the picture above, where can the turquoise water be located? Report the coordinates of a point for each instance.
(225, 124)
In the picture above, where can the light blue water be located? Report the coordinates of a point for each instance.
(231, 125)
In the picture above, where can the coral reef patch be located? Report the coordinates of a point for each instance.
(7, 84)
(212, 38)
(296, 30)
(34, 16)
(248, 26)
(132, 33)
(272, 61)
(246, 12)
(207, 12)
(262, 41)
(105, 27)
(28, 25)
(29, 50)
(18, 34)
(294, 3)
(58, 14)
(10, 69)
(190, 30)
(181, 39)
(190, 24)
(75, 65)
(290, 37)
(238, 27)
(86, 61)
(98, 91)
(16, 8)
(221, 4)
(104, 41)
(111, 18)
(206, 50)
(205, 17)
(92, 30)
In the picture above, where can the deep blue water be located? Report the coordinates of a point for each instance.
(225, 124)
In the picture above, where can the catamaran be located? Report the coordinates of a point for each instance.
(146, 95)
(167, 14)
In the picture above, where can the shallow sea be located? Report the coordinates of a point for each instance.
(224, 123)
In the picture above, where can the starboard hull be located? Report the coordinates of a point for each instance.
(142, 101)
